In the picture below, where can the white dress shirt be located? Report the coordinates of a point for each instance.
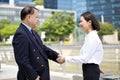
(28, 27)
(91, 51)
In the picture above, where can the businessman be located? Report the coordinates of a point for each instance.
(31, 54)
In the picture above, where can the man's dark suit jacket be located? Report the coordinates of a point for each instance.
(31, 57)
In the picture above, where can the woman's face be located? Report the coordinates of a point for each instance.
(85, 25)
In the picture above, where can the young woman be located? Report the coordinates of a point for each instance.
(91, 53)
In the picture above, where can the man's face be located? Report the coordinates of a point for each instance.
(33, 19)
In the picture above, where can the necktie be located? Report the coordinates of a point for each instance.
(33, 33)
(38, 42)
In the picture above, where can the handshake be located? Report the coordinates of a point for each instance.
(60, 59)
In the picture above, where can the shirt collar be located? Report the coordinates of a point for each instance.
(28, 27)
(92, 32)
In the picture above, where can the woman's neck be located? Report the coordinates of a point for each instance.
(89, 30)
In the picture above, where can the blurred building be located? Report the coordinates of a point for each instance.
(17, 2)
(12, 13)
(20, 1)
(105, 10)
(75, 5)
(23, 2)
(4, 1)
(109, 9)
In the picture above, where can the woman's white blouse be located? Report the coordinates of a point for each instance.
(91, 51)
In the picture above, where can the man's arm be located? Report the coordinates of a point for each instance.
(51, 54)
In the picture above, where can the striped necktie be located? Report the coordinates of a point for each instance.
(34, 34)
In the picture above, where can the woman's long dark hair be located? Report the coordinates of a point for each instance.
(90, 16)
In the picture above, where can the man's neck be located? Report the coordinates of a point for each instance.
(28, 24)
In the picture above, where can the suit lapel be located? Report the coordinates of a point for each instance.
(34, 41)
(40, 44)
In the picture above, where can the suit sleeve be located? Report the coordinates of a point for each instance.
(21, 51)
(51, 53)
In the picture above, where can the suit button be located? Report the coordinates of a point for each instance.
(42, 65)
(33, 50)
(37, 57)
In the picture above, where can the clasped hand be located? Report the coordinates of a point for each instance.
(60, 59)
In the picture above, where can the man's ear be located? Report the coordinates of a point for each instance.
(28, 17)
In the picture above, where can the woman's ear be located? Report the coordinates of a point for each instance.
(90, 21)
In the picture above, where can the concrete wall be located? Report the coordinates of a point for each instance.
(111, 39)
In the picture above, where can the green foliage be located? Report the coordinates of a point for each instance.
(4, 44)
(106, 29)
(3, 22)
(50, 42)
(9, 29)
(39, 2)
(58, 26)
(119, 33)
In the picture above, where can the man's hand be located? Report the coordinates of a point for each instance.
(60, 59)
(38, 78)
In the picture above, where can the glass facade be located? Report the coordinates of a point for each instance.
(74, 5)
(110, 9)
(4, 1)
(64, 4)
(15, 1)
(50, 4)
(21, 1)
